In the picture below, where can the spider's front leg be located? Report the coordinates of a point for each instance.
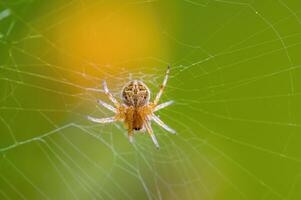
(151, 133)
(130, 136)
(162, 124)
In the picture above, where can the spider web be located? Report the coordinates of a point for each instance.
(235, 79)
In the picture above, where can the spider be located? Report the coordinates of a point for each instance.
(136, 111)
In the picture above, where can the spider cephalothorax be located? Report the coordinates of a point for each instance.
(136, 111)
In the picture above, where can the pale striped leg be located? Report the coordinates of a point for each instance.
(110, 96)
(131, 138)
(162, 124)
(151, 133)
(130, 134)
(102, 120)
(163, 105)
(108, 106)
(162, 86)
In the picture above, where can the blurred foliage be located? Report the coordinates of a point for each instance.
(235, 79)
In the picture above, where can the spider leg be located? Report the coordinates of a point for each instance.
(108, 106)
(131, 138)
(162, 124)
(110, 96)
(151, 133)
(162, 86)
(163, 105)
(102, 120)
(130, 133)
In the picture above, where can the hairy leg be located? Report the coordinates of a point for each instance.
(162, 124)
(108, 106)
(102, 120)
(163, 105)
(130, 136)
(151, 133)
(110, 96)
(162, 86)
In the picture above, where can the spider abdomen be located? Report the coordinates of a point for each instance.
(135, 93)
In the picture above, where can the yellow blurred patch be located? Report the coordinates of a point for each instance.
(110, 34)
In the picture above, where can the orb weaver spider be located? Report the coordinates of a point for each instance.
(136, 111)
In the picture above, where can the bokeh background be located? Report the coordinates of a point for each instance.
(235, 80)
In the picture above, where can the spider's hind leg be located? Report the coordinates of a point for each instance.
(163, 105)
(108, 106)
(102, 120)
(108, 93)
(163, 85)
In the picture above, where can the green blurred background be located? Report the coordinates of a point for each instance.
(235, 80)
